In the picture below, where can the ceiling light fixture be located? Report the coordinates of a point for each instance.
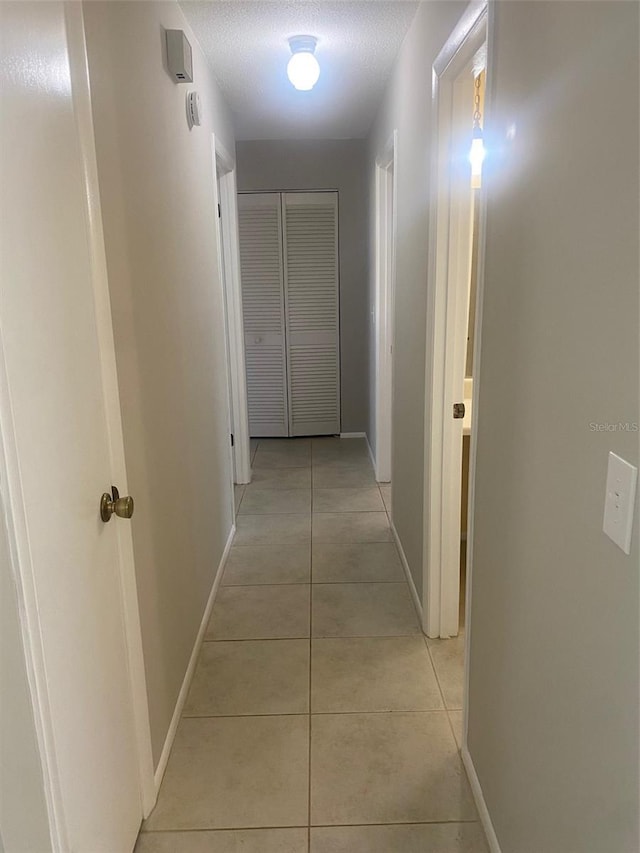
(303, 69)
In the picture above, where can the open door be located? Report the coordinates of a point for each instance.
(61, 442)
(448, 406)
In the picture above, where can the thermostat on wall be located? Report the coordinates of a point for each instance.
(193, 109)
(179, 59)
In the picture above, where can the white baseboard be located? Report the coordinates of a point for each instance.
(478, 796)
(405, 565)
(193, 660)
(353, 435)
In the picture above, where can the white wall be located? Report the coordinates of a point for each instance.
(331, 164)
(406, 107)
(156, 185)
(24, 823)
(553, 726)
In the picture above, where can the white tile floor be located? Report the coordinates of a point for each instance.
(319, 720)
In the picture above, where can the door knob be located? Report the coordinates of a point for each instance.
(113, 503)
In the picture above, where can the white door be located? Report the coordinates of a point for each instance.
(450, 264)
(220, 238)
(260, 231)
(312, 311)
(56, 437)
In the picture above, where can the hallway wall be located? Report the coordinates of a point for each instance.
(553, 710)
(406, 107)
(338, 164)
(553, 715)
(156, 185)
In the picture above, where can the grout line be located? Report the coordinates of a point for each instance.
(244, 492)
(300, 544)
(255, 639)
(263, 585)
(314, 826)
(268, 514)
(317, 542)
(316, 583)
(351, 583)
(274, 544)
(307, 637)
(351, 511)
(261, 640)
(435, 671)
(388, 711)
(449, 712)
(317, 511)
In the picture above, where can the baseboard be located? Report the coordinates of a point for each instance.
(193, 660)
(353, 435)
(478, 796)
(405, 565)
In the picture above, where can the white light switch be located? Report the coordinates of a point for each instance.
(619, 501)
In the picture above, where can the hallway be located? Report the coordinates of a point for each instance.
(319, 718)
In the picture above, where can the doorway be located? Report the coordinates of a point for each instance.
(479, 77)
(456, 240)
(225, 196)
(456, 258)
(290, 285)
(385, 286)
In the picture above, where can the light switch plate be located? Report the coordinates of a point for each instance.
(619, 501)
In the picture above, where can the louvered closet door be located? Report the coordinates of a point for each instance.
(311, 305)
(260, 232)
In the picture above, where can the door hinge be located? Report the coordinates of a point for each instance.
(458, 410)
(232, 440)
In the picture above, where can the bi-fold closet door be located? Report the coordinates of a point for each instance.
(289, 267)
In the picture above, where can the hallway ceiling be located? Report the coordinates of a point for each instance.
(246, 45)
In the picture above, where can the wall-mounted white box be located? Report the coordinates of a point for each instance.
(179, 58)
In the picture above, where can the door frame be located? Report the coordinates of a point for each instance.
(224, 166)
(449, 225)
(385, 274)
(19, 538)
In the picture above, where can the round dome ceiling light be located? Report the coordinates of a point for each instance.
(303, 69)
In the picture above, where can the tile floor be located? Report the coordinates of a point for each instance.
(319, 720)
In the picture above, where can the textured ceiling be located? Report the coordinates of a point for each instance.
(246, 44)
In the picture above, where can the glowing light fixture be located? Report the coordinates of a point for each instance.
(476, 157)
(303, 69)
(477, 152)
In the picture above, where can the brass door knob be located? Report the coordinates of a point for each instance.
(113, 503)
